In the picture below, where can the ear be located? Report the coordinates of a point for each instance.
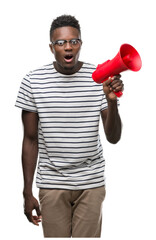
(51, 48)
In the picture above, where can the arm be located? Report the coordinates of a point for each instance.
(110, 116)
(29, 160)
(112, 122)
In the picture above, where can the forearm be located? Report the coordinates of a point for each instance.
(29, 160)
(113, 123)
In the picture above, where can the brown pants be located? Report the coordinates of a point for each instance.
(76, 213)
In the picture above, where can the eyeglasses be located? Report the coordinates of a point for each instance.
(73, 42)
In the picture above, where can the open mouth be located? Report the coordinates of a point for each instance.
(68, 58)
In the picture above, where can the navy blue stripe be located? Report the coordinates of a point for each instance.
(71, 170)
(49, 73)
(54, 72)
(26, 80)
(89, 101)
(25, 90)
(71, 147)
(68, 142)
(53, 127)
(64, 112)
(93, 68)
(70, 112)
(68, 106)
(67, 157)
(77, 171)
(79, 96)
(63, 87)
(53, 175)
(70, 116)
(58, 184)
(53, 132)
(74, 153)
(25, 95)
(59, 180)
(60, 77)
(60, 92)
(78, 154)
(69, 122)
(46, 73)
(24, 104)
(70, 137)
(26, 85)
(25, 99)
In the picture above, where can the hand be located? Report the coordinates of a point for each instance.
(29, 205)
(113, 84)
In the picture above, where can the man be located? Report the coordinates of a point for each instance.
(61, 107)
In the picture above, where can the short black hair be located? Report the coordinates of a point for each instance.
(64, 20)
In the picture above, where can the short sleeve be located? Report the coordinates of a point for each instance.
(104, 104)
(25, 99)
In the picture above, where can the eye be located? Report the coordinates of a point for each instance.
(60, 42)
(74, 41)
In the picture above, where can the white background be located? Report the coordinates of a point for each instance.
(129, 210)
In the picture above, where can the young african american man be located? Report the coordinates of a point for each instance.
(61, 108)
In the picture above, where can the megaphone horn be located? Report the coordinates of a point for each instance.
(126, 59)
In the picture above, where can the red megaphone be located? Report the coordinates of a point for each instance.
(127, 59)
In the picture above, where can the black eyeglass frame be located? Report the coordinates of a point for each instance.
(66, 41)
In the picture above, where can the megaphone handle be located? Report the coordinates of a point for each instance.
(118, 94)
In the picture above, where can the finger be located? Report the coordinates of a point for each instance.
(115, 80)
(108, 82)
(118, 76)
(117, 84)
(32, 219)
(119, 88)
(38, 211)
(36, 220)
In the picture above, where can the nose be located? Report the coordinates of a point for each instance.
(68, 46)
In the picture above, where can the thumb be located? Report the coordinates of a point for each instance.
(108, 81)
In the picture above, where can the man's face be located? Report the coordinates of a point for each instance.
(67, 55)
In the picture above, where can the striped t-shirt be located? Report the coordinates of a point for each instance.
(68, 106)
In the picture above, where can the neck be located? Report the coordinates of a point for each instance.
(68, 71)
